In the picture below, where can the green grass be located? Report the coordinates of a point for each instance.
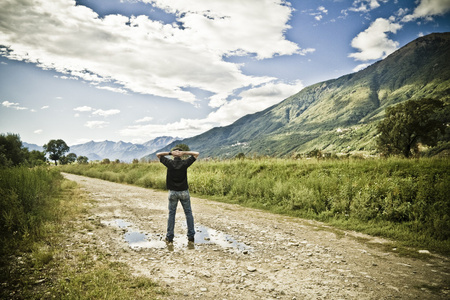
(28, 198)
(39, 213)
(405, 200)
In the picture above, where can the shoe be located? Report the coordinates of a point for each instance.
(169, 241)
(191, 239)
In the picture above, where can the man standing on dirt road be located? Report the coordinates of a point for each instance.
(177, 184)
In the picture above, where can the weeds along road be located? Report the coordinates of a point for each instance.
(243, 253)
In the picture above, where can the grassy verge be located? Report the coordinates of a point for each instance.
(405, 200)
(40, 259)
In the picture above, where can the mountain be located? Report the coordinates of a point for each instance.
(159, 142)
(32, 147)
(338, 115)
(113, 150)
(119, 150)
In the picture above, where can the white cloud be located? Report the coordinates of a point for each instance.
(360, 67)
(97, 112)
(45, 107)
(182, 128)
(219, 25)
(306, 51)
(66, 77)
(96, 124)
(318, 15)
(144, 120)
(38, 131)
(113, 89)
(428, 8)
(402, 12)
(106, 113)
(9, 104)
(146, 56)
(253, 100)
(83, 108)
(13, 105)
(322, 9)
(366, 5)
(373, 43)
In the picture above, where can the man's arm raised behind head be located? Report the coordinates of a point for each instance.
(193, 153)
(160, 154)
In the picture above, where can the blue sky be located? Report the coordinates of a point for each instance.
(133, 70)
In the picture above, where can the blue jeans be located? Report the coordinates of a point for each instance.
(185, 199)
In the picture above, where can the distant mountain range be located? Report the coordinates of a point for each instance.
(32, 147)
(114, 150)
(338, 115)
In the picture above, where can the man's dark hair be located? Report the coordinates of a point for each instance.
(176, 148)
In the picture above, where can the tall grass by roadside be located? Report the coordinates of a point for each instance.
(39, 211)
(407, 200)
(28, 198)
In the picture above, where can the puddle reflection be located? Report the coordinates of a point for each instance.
(139, 240)
(204, 235)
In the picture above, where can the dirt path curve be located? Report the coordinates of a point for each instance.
(243, 253)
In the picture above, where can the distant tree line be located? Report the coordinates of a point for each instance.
(13, 153)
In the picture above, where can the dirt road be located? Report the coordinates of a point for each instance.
(243, 253)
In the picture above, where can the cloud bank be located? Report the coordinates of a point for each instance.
(139, 55)
(147, 56)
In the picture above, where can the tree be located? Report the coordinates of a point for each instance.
(11, 151)
(56, 149)
(82, 160)
(36, 158)
(68, 159)
(408, 124)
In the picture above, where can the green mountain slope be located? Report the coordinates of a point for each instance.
(338, 115)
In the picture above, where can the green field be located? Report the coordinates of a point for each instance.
(405, 200)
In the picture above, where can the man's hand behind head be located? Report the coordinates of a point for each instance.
(177, 153)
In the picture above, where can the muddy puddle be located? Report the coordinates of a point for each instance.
(137, 239)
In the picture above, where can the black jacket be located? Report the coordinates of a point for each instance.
(176, 179)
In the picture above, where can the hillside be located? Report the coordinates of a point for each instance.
(337, 115)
